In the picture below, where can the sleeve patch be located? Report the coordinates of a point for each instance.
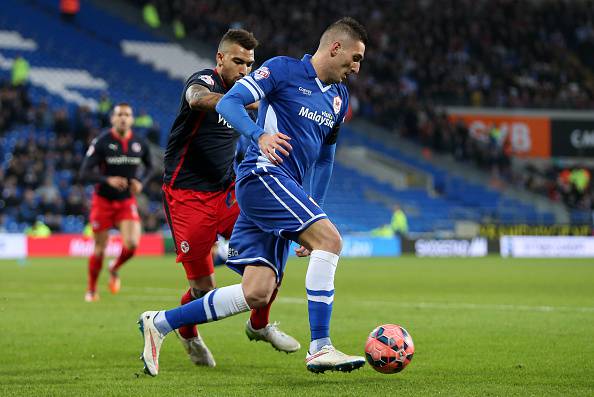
(207, 79)
(262, 73)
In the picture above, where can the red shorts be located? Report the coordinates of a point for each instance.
(195, 219)
(106, 213)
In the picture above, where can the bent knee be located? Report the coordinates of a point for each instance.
(331, 242)
(334, 243)
(257, 299)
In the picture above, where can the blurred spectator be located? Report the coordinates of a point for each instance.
(28, 207)
(143, 120)
(38, 230)
(151, 15)
(20, 71)
(399, 222)
(104, 107)
(69, 9)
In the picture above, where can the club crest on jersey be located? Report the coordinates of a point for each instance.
(185, 247)
(337, 104)
(136, 147)
(207, 79)
(262, 73)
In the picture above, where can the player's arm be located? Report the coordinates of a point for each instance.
(88, 173)
(137, 183)
(322, 172)
(202, 99)
(322, 169)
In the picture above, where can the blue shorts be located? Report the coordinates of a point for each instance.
(274, 211)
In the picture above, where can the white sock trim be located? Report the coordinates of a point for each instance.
(320, 275)
(225, 302)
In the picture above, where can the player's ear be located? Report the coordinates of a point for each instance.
(335, 48)
(220, 57)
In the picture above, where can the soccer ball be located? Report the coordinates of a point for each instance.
(389, 349)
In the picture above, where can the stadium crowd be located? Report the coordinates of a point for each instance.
(422, 55)
(498, 53)
(432, 53)
(41, 151)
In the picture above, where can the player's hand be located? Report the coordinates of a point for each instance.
(253, 106)
(135, 186)
(272, 144)
(302, 251)
(117, 182)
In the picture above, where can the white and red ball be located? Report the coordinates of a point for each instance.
(389, 348)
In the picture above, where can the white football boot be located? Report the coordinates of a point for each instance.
(273, 335)
(152, 342)
(330, 359)
(197, 351)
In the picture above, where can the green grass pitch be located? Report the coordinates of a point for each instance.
(481, 327)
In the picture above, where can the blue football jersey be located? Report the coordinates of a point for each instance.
(295, 102)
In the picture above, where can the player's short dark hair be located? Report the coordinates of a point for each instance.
(239, 36)
(351, 27)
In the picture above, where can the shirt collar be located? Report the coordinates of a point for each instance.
(311, 72)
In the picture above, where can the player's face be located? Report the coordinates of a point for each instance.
(349, 54)
(122, 119)
(234, 63)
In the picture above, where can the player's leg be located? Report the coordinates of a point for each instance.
(130, 231)
(324, 243)
(259, 282)
(297, 217)
(101, 218)
(193, 226)
(95, 264)
(254, 256)
(258, 326)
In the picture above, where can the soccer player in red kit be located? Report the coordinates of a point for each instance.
(118, 155)
(199, 190)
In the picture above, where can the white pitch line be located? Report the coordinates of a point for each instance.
(457, 306)
(172, 296)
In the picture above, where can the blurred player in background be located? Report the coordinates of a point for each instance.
(199, 189)
(113, 163)
(304, 102)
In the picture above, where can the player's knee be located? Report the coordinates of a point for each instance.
(334, 242)
(100, 247)
(130, 244)
(330, 242)
(257, 298)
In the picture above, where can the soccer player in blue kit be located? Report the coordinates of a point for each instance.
(302, 104)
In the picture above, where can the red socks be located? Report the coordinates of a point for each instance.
(95, 264)
(188, 331)
(124, 256)
(259, 318)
